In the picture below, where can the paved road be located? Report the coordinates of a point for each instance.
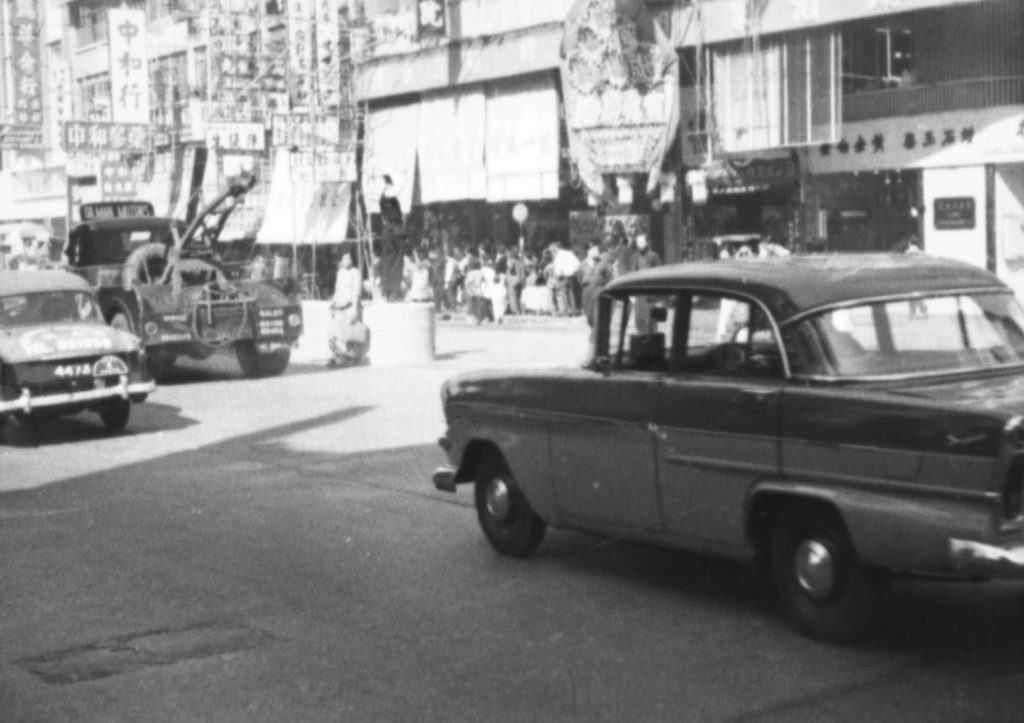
(272, 551)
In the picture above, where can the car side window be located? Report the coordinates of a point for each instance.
(728, 336)
(642, 332)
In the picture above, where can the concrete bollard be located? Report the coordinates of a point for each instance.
(314, 347)
(401, 333)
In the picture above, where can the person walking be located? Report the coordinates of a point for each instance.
(346, 313)
(514, 278)
(596, 271)
(643, 257)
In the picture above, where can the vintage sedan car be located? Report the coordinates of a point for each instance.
(836, 419)
(57, 356)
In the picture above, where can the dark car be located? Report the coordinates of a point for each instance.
(57, 356)
(833, 418)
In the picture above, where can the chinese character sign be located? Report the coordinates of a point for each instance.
(27, 102)
(95, 136)
(129, 71)
(430, 22)
(300, 44)
(328, 60)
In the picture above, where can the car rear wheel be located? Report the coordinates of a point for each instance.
(828, 592)
(509, 523)
(115, 414)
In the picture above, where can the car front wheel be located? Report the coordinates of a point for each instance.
(829, 593)
(115, 414)
(508, 521)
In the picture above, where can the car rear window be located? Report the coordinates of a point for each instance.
(911, 336)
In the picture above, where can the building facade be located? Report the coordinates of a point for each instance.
(852, 126)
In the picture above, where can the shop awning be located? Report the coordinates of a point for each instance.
(390, 149)
(522, 141)
(451, 147)
(301, 209)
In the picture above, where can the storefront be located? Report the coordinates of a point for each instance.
(461, 158)
(747, 197)
(955, 180)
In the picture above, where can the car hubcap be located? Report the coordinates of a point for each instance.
(815, 569)
(497, 500)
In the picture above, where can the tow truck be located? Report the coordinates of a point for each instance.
(162, 280)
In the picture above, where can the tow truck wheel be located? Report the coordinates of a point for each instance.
(254, 364)
(115, 414)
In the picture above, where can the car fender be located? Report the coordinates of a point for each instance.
(900, 527)
(522, 444)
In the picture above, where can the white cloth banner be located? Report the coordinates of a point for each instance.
(300, 211)
(451, 147)
(390, 149)
(522, 142)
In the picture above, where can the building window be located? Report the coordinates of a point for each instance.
(877, 58)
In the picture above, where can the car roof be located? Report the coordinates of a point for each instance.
(25, 282)
(794, 285)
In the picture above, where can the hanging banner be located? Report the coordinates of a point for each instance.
(451, 147)
(620, 81)
(522, 147)
(129, 66)
(27, 100)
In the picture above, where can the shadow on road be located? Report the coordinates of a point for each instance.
(86, 426)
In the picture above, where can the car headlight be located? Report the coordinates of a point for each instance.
(294, 320)
(150, 329)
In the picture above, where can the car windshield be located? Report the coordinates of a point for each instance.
(48, 307)
(910, 336)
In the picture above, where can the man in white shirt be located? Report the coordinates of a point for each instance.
(565, 264)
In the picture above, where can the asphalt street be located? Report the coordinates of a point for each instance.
(273, 550)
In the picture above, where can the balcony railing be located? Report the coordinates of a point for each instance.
(936, 98)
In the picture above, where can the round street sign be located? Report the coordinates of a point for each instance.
(520, 212)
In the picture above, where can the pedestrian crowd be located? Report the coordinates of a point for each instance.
(488, 282)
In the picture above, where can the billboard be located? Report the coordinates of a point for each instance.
(620, 81)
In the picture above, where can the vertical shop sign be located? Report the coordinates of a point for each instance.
(129, 69)
(328, 59)
(27, 101)
(235, 60)
(301, 55)
(430, 20)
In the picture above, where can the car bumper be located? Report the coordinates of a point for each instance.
(444, 478)
(26, 402)
(1004, 562)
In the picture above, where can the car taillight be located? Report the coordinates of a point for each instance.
(1013, 489)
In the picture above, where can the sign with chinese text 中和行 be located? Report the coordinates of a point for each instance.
(129, 68)
(27, 75)
(101, 136)
(954, 213)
